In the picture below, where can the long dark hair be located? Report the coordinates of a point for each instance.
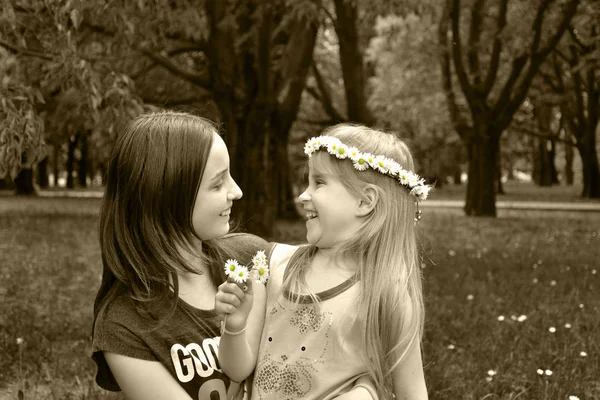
(146, 214)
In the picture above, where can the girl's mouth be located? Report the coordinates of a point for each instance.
(310, 215)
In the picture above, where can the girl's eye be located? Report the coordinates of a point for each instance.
(218, 186)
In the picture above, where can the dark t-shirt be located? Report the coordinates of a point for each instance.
(186, 342)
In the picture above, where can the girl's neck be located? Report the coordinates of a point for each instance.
(196, 288)
(332, 259)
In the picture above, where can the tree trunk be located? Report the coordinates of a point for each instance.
(456, 174)
(71, 161)
(351, 60)
(591, 172)
(42, 173)
(569, 175)
(499, 186)
(24, 182)
(481, 195)
(55, 170)
(82, 171)
(544, 170)
(286, 208)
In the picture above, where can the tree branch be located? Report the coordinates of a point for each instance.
(490, 78)
(457, 52)
(184, 48)
(474, 38)
(324, 95)
(444, 47)
(322, 123)
(25, 52)
(562, 27)
(537, 25)
(530, 132)
(200, 79)
(577, 40)
(176, 101)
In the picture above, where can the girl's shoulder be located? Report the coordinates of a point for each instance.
(281, 254)
(243, 246)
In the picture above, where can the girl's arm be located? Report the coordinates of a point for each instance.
(245, 315)
(364, 389)
(142, 379)
(408, 376)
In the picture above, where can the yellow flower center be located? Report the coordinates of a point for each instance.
(361, 161)
(381, 164)
(241, 274)
(261, 271)
(232, 267)
(341, 151)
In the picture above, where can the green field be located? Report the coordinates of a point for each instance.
(540, 266)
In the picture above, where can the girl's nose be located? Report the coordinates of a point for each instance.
(235, 193)
(304, 196)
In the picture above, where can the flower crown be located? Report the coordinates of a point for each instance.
(239, 273)
(364, 161)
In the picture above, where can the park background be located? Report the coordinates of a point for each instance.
(498, 99)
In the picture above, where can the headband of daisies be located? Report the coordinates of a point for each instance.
(364, 161)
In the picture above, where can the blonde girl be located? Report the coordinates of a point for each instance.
(345, 311)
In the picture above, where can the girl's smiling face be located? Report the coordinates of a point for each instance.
(330, 208)
(217, 190)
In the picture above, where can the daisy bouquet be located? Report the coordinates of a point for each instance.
(257, 270)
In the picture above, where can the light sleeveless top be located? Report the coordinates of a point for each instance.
(308, 351)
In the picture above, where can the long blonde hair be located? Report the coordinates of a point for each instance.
(391, 300)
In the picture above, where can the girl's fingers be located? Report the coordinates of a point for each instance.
(228, 298)
(233, 288)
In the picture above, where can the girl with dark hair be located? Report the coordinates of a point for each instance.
(164, 226)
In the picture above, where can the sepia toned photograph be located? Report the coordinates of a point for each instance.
(300, 199)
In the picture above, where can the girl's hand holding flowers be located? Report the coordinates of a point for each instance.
(234, 297)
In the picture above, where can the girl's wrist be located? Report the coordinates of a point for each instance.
(233, 329)
(232, 332)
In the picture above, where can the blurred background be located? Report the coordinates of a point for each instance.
(499, 101)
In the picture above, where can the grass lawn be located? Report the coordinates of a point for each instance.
(518, 191)
(538, 270)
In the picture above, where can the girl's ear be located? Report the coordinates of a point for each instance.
(368, 202)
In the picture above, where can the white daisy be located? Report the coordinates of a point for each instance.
(381, 165)
(413, 179)
(353, 153)
(310, 145)
(420, 192)
(263, 273)
(259, 257)
(333, 145)
(403, 176)
(371, 160)
(230, 267)
(361, 164)
(393, 167)
(342, 151)
(241, 274)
